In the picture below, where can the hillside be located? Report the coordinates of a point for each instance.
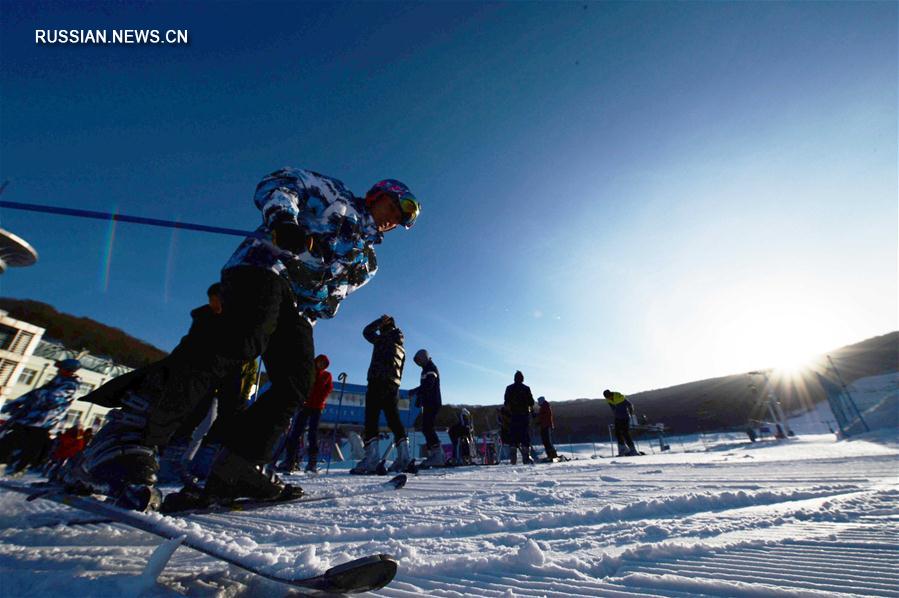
(714, 404)
(83, 333)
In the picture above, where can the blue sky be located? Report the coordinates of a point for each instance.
(620, 196)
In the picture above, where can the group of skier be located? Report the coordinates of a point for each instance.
(314, 246)
(515, 417)
(25, 440)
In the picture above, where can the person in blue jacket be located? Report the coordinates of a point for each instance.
(314, 247)
(25, 437)
(427, 396)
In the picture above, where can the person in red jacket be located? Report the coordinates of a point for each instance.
(309, 414)
(68, 444)
(545, 417)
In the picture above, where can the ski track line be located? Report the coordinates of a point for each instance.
(651, 509)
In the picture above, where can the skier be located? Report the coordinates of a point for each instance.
(427, 396)
(545, 416)
(503, 420)
(462, 436)
(520, 402)
(315, 245)
(384, 374)
(25, 438)
(67, 445)
(623, 410)
(309, 414)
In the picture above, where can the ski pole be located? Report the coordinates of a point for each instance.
(342, 378)
(115, 217)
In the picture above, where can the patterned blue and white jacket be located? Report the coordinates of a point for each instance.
(43, 407)
(342, 258)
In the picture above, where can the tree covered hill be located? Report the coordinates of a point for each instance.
(83, 333)
(727, 402)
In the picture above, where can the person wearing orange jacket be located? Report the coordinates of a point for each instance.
(309, 414)
(68, 444)
(545, 417)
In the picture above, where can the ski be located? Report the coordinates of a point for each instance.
(361, 575)
(244, 505)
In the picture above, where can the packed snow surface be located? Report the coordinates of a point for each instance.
(717, 516)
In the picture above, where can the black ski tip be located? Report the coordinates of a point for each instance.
(397, 481)
(362, 575)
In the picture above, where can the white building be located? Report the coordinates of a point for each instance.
(28, 362)
(18, 340)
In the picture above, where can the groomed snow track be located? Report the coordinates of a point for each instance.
(810, 517)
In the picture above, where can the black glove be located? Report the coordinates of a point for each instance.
(289, 236)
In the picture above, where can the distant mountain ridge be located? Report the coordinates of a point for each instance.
(726, 402)
(83, 333)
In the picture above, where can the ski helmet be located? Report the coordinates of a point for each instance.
(69, 365)
(421, 357)
(408, 205)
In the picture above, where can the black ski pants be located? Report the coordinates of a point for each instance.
(623, 434)
(428, 419)
(259, 318)
(24, 447)
(546, 435)
(306, 416)
(383, 395)
(519, 429)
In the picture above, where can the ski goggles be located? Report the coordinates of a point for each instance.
(408, 205)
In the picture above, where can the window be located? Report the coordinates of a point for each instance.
(73, 416)
(7, 336)
(27, 376)
(6, 369)
(21, 342)
(84, 388)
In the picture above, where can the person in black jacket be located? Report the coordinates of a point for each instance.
(520, 402)
(428, 398)
(384, 374)
(623, 411)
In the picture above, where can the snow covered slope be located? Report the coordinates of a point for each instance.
(805, 517)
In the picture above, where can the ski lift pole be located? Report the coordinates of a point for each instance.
(848, 395)
(116, 217)
(342, 378)
(409, 424)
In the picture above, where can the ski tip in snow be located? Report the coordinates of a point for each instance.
(362, 575)
(397, 481)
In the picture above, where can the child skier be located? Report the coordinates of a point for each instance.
(309, 414)
(25, 438)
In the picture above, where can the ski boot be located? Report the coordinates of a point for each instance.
(436, 458)
(312, 465)
(233, 477)
(289, 465)
(513, 455)
(526, 456)
(117, 463)
(371, 460)
(403, 459)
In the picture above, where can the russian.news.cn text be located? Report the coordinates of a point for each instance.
(111, 36)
